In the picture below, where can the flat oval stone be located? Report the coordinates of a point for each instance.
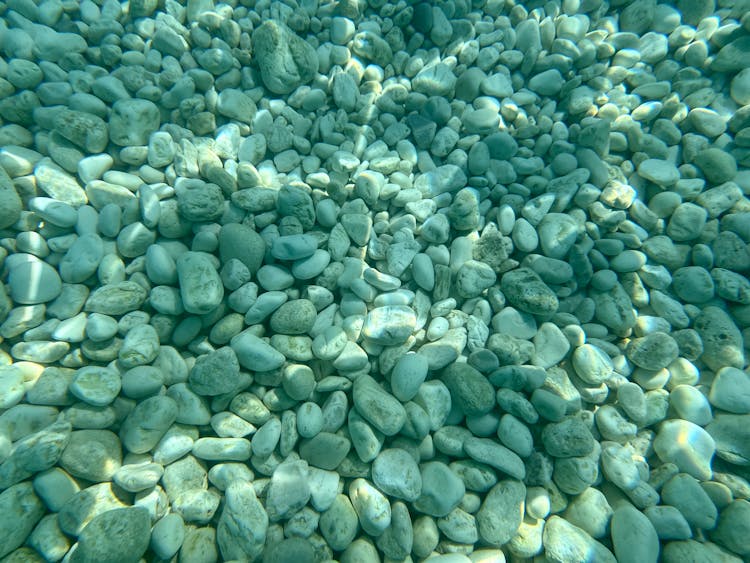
(122, 530)
(633, 536)
(470, 390)
(200, 283)
(390, 325)
(254, 353)
(116, 298)
(371, 505)
(501, 513)
(395, 472)
(33, 282)
(442, 489)
(653, 351)
(96, 385)
(687, 445)
(408, 374)
(93, 455)
(294, 247)
(294, 317)
(147, 423)
(377, 406)
(485, 450)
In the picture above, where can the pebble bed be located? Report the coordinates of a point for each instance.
(361, 281)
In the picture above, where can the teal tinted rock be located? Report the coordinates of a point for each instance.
(377, 406)
(470, 390)
(200, 283)
(122, 530)
(501, 514)
(285, 59)
(82, 259)
(255, 354)
(34, 282)
(21, 509)
(241, 242)
(132, 121)
(633, 536)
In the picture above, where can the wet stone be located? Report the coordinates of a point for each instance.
(93, 455)
(122, 530)
(568, 438)
(500, 515)
(215, 373)
(395, 472)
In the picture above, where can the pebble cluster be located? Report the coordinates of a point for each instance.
(359, 281)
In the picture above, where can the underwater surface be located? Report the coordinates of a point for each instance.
(367, 281)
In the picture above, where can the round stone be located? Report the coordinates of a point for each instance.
(34, 281)
(121, 530)
(470, 390)
(390, 325)
(687, 445)
(93, 455)
(653, 352)
(730, 390)
(633, 536)
(395, 472)
(294, 317)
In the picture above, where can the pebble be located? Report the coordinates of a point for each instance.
(147, 423)
(395, 472)
(730, 391)
(493, 454)
(732, 527)
(442, 489)
(685, 493)
(121, 530)
(633, 536)
(687, 445)
(525, 290)
(590, 511)
(408, 374)
(371, 506)
(285, 60)
(378, 407)
(93, 455)
(668, 522)
(243, 523)
(201, 288)
(254, 353)
(501, 513)
(33, 281)
(567, 438)
(563, 541)
(470, 390)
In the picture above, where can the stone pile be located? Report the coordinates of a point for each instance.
(364, 281)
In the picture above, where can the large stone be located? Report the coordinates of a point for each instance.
(285, 60)
(243, 243)
(200, 284)
(377, 406)
(687, 445)
(564, 542)
(20, 510)
(10, 203)
(132, 121)
(501, 512)
(633, 536)
(390, 325)
(119, 535)
(241, 531)
(470, 390)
